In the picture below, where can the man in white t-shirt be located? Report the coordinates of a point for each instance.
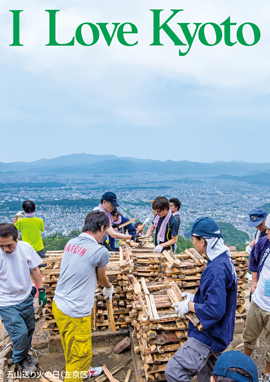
(17, 261)
(258, 316)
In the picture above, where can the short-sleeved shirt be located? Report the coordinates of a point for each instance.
(171, 230)
(74, 294)
(30, 229)
(178, 219)
(15, 280)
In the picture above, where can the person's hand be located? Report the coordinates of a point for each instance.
(97, 293)
(158, 249)
(108, 292)
(248, 249)
(33, 291)
(135, 238)
(253, 288)
(20, 214)
(42, 297)
(181, 308)
(189, 296)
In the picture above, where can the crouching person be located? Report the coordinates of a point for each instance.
(17, 261)
(214, 303)
(83, 264)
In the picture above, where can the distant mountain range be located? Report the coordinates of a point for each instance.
(258, 173)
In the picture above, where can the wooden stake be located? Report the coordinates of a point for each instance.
(109, 375)
(110, 316)
(128, 375)
(102, 378)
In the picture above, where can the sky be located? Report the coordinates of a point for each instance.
(140, 101)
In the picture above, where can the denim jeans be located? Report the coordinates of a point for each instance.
(19, 322)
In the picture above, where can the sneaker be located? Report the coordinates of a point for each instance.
(28, 369)
(93, 372)
(32, 359)
(265, 378)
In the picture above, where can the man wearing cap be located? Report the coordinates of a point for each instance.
(257, 218)
(234, 366)
(258, 316)
(214, 303)
(107, 203)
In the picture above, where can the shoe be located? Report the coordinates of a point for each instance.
(265, 378)
(32, 359)
(93, 372)
(28, 369)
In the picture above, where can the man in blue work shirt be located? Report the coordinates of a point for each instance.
(118, 220)
(214, 303)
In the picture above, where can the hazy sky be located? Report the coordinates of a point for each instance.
(140, 101)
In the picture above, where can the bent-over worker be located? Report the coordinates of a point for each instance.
(17, 261)
(214, 303)
(83, 264)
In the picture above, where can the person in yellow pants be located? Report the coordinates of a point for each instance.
(75, 334)
(83, 265)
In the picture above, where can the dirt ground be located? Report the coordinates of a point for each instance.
(53, 360)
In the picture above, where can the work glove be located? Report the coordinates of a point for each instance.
(158, 249)
(108, 292)
(42, 297)
(189, 296)
(115, 226)
(135, 238)
(20, 214)
(181, 308)
(33, 291)
(248, 249)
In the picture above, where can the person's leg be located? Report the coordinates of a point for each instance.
(207, 370)
(253, 328)
(17, 330)
(75, 336)
(266, 316)
(188, 361)
(28, 314)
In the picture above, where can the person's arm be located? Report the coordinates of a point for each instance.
(252, 243)
(172, 241)
(102, 278)
(35, 272)
(254, 282)
(117, 235)
(15, 219)
(150, 230)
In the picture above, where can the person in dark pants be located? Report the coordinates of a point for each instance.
(17, 261)
(214, 303)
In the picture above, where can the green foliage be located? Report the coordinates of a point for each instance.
(183, 244)
(57, 241)
(233, 236)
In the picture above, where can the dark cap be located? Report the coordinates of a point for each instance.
(205, 227)
(110, 197)
(256, 217)
(236, 359)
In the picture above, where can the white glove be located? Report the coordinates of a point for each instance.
(181, 308)
(248, 249)
(20, 214)
(108, 292)
(189, 296)
(158, 248)
(147, 220)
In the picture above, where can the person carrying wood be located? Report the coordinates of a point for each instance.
(118, 220)
(83, 264)
(17, 261)
(214, 303)
(165, 225)
(107, 203)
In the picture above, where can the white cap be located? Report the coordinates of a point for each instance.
(267, 222)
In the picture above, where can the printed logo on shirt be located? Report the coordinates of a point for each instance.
(75, 249)
(266, 253)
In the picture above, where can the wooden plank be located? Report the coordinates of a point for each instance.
(110, 316)
(128, 375)
(127, 223)
(109, 375)
(153, 307)
(121, 257)
(145, 289)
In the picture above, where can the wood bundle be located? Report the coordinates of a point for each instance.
(51, 275)
(160, 332)
(241, 266)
